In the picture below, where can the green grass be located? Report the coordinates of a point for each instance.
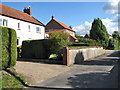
(9, 81)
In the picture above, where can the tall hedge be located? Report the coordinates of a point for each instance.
(9, 47)
(36, 49)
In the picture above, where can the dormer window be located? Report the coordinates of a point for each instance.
(19, 26)
(5, 23)
(38, 30)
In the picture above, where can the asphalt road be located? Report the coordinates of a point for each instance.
(101, 72)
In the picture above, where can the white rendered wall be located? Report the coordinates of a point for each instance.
(23, 33)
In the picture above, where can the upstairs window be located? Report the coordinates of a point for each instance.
(18, 25)
(5, 23)
(38, 30)
(29, 28)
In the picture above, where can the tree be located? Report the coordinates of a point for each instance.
(115, 35)
(77, 36)
(70, 26)
(99, 33)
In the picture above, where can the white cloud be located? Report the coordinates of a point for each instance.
(85, 28)
(111, 6)
(110, 25)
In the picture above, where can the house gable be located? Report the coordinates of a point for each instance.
(53, 25)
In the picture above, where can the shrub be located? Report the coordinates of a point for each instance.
(113, 44)
(9, 47)
(44, 48)
(59, 40)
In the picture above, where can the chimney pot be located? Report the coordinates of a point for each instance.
(27, 10)
(52, 17)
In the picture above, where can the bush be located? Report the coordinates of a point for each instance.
(113, 44)
(44, 48)
(9, 47)
(59, 40)
(35, 49)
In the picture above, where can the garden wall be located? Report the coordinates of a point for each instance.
(79, 55)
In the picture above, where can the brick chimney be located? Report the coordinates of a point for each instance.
(27, 10)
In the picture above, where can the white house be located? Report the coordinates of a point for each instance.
(26, 26)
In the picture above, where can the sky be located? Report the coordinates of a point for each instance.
(79, 15)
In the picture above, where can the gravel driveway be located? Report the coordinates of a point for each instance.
(38, 72)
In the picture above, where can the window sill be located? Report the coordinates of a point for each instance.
(38, 32)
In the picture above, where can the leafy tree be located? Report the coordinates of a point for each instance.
(115, 34)
(77, 36)
(99, 33)
(59, 40)
(70, 26)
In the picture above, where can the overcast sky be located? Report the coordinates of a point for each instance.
(79, 15)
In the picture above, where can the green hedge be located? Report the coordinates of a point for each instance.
(80, 45)
(36, 49)
(44, 48)
(9, 47)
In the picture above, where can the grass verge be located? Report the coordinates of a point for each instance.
(11, 79)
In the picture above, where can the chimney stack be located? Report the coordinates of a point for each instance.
(52, 17)
(27, 10)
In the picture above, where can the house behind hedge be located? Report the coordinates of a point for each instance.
(25, 25)
(56, 26)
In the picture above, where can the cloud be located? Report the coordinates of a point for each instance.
(111, 6)
(85, 28)
(110, 25)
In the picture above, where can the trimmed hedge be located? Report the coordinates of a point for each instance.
(36, 49)
(42, 49)
(9, 47)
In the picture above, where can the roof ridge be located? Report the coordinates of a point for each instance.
(11, 12)
(15, 9)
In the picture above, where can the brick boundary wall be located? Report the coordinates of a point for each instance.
(79, 55)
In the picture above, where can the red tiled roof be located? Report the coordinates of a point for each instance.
(63, 25)
(54, 31)
(10, 12)
(74, 37)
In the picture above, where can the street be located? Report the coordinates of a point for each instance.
(101, 72)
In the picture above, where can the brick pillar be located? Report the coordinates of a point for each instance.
(66, 56)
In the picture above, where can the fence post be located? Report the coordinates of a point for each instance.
(66, 56)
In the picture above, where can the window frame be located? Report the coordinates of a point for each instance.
(29, 28)
(5, 22)
(38, 30)
(18, 25)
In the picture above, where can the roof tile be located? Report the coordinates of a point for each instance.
(7, 11)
